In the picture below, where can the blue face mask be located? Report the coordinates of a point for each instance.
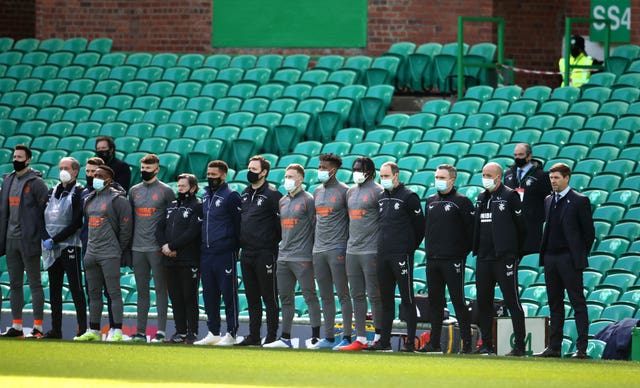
(323, 176)
(98, 184)
(387, 184)
(440, 185)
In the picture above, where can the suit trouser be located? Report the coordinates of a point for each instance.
(183, 291)
(449, 273)
(288, 273)
(504, 272)
(363, 282)
(17, 264)
(259, 277)
(101, 271)
(560, 275)
(329, 268)
(394, 269)
(69, 263)
(219, 277)
(144, 263)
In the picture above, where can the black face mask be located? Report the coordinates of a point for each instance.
(90, 182)
(214, 183)
(183, 196)
(147, 175)
(104, 155)
(575, 51)
(520, 162)
(19, 165)
(253, 177)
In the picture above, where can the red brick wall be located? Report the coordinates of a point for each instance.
(422, 21)
(141, 25)
(16, 18)
(533, 32)
(185, 26)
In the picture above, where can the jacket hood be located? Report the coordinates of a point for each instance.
(116, 186)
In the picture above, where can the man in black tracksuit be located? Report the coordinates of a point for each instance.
(179, 236)
(448, 236)
(528, 178)
(499, 233)
(401, 229)
(260, 234)
(106, 150)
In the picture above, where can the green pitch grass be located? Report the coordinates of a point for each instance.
(57, 363)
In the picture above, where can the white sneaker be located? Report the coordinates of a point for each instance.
(227, 340)
(210, 339)
(279, 343)
(110, 335)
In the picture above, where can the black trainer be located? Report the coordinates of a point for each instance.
(177, 339)
(13, 333)
(378, 347)
(408, 349)
(516, 353)
(190, 338)
(249, 341)
(484, 351)
(429, 348)
(35, 334)
(52, 334)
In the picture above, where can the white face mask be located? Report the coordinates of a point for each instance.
(359, 177)
(488, 183)
(65, 176)
(98, 184)
(323, 176)
(440, 185)
(289, 185)
(387, 184)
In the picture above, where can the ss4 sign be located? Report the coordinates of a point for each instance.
(619, 13)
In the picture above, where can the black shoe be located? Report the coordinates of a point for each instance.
(35, 334)
(177, 339)
(190, 338)
(408, 348)
(580, 354)
(13, 333)
(516, 353)
(548, 353)
(52, 334)
(378, 347)
(250, 341)
(429, 348)
(484, 351)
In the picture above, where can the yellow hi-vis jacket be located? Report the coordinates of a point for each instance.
(579, 77)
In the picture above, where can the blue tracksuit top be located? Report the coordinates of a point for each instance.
(221, 219)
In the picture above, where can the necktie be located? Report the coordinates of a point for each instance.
(556, 198)
(520, 174)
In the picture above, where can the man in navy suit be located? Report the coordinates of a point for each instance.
(566, 242)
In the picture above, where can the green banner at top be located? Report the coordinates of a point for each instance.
(290, 23)
(619, 12)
